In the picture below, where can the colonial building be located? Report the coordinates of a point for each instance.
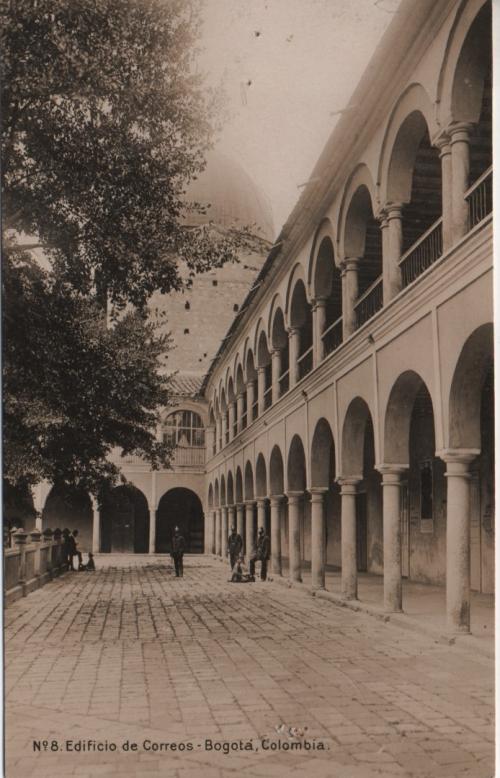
(349, 407)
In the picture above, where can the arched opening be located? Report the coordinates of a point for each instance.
(471, 101)
(231, 401)
(185, 432)
(279, 341)
(210, 496)
(222, 490)
(301, 320)
(323, 476)
(358, 460)
(328, 287)
(180, 508)
(363, 241)
(239, 486)
(230, 489)
(71, 508)
(260, 477)
(224, 438)
(265, 370)
(297, 481)
(472, 423)
(212, 424)
(414, 179)
(125, 521)
(249, 493)
(216, 494)
(241, 393)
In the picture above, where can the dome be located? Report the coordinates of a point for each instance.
(230, 197)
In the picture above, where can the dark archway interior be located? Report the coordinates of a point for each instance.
(425, 206)
(180, 508)
(125, 521)
(70, 508)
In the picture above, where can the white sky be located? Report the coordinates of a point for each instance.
(304, 65)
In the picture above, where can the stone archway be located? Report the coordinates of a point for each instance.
(181, 508)
(70, 508)
(125, 521)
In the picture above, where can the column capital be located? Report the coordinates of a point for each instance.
(261, 370)
(318, 493)
(349, 484)
(276, 499)
(261, 500)
(459, 131)
(294, 496)
(391, 473)
(458, 460)
(249, 503)
(292, 331)
(275, 352)
(349, 263)
(442, 142)
(318, 302)
(250, 382)
(393, 211)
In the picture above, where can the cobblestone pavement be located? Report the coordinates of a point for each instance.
(130, 654)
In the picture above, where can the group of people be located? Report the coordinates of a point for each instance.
(70, 550)
(239, 572)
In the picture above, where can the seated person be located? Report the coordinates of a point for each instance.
(239, 573)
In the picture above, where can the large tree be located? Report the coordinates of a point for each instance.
(74, 389)
(105, 120)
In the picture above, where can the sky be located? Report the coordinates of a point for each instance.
(286, 67)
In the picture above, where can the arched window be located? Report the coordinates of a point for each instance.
(184, 429)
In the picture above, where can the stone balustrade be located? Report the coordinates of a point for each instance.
(33, 559)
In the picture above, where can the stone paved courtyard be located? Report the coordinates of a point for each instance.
(130, 654)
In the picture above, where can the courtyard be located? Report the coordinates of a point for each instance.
(130, 671)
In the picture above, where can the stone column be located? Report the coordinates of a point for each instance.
(96, 526)
(240, 410)
(460, 162)
(443, 144)
(349, 584)
(231, 518)
(224, 531)
(294, 512)
(349, 295)
(20, 539)
(319, 326)
(458, 538)
(250, 401)
(232, 417)
(276, 502)
(318, 538)
(276, 371)
(218, 525)
(391, 485)
(40, 493)
(261, 388)
(249, 528)
(294, 352)
(392, 250)
(261, 512)
(36, 537)
(209, 441)
(240, 523)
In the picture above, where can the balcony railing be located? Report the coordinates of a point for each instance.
(480, 198)
(369, 303)
(423, 253)
(189, 456)
(284, 382)
(268, 397)
(332, 336)
(305, 362)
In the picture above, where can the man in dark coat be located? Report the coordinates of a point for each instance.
(261, 554)
(234, 546)
(177, 553)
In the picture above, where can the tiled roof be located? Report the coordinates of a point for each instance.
(186, 384)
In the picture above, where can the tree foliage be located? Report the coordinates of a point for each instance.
(104, 123)
(74, 389)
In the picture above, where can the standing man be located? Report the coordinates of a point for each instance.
(261, 554)
(177, 553)
(234, 546)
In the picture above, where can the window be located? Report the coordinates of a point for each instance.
(184, 429)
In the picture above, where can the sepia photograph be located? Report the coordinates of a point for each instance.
(248, 472)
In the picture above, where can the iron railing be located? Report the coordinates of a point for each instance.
(369, 303)
(189, 456)
(332, 336)
(480, 198)
(268, 397)
(424, 252)
(305, 362)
